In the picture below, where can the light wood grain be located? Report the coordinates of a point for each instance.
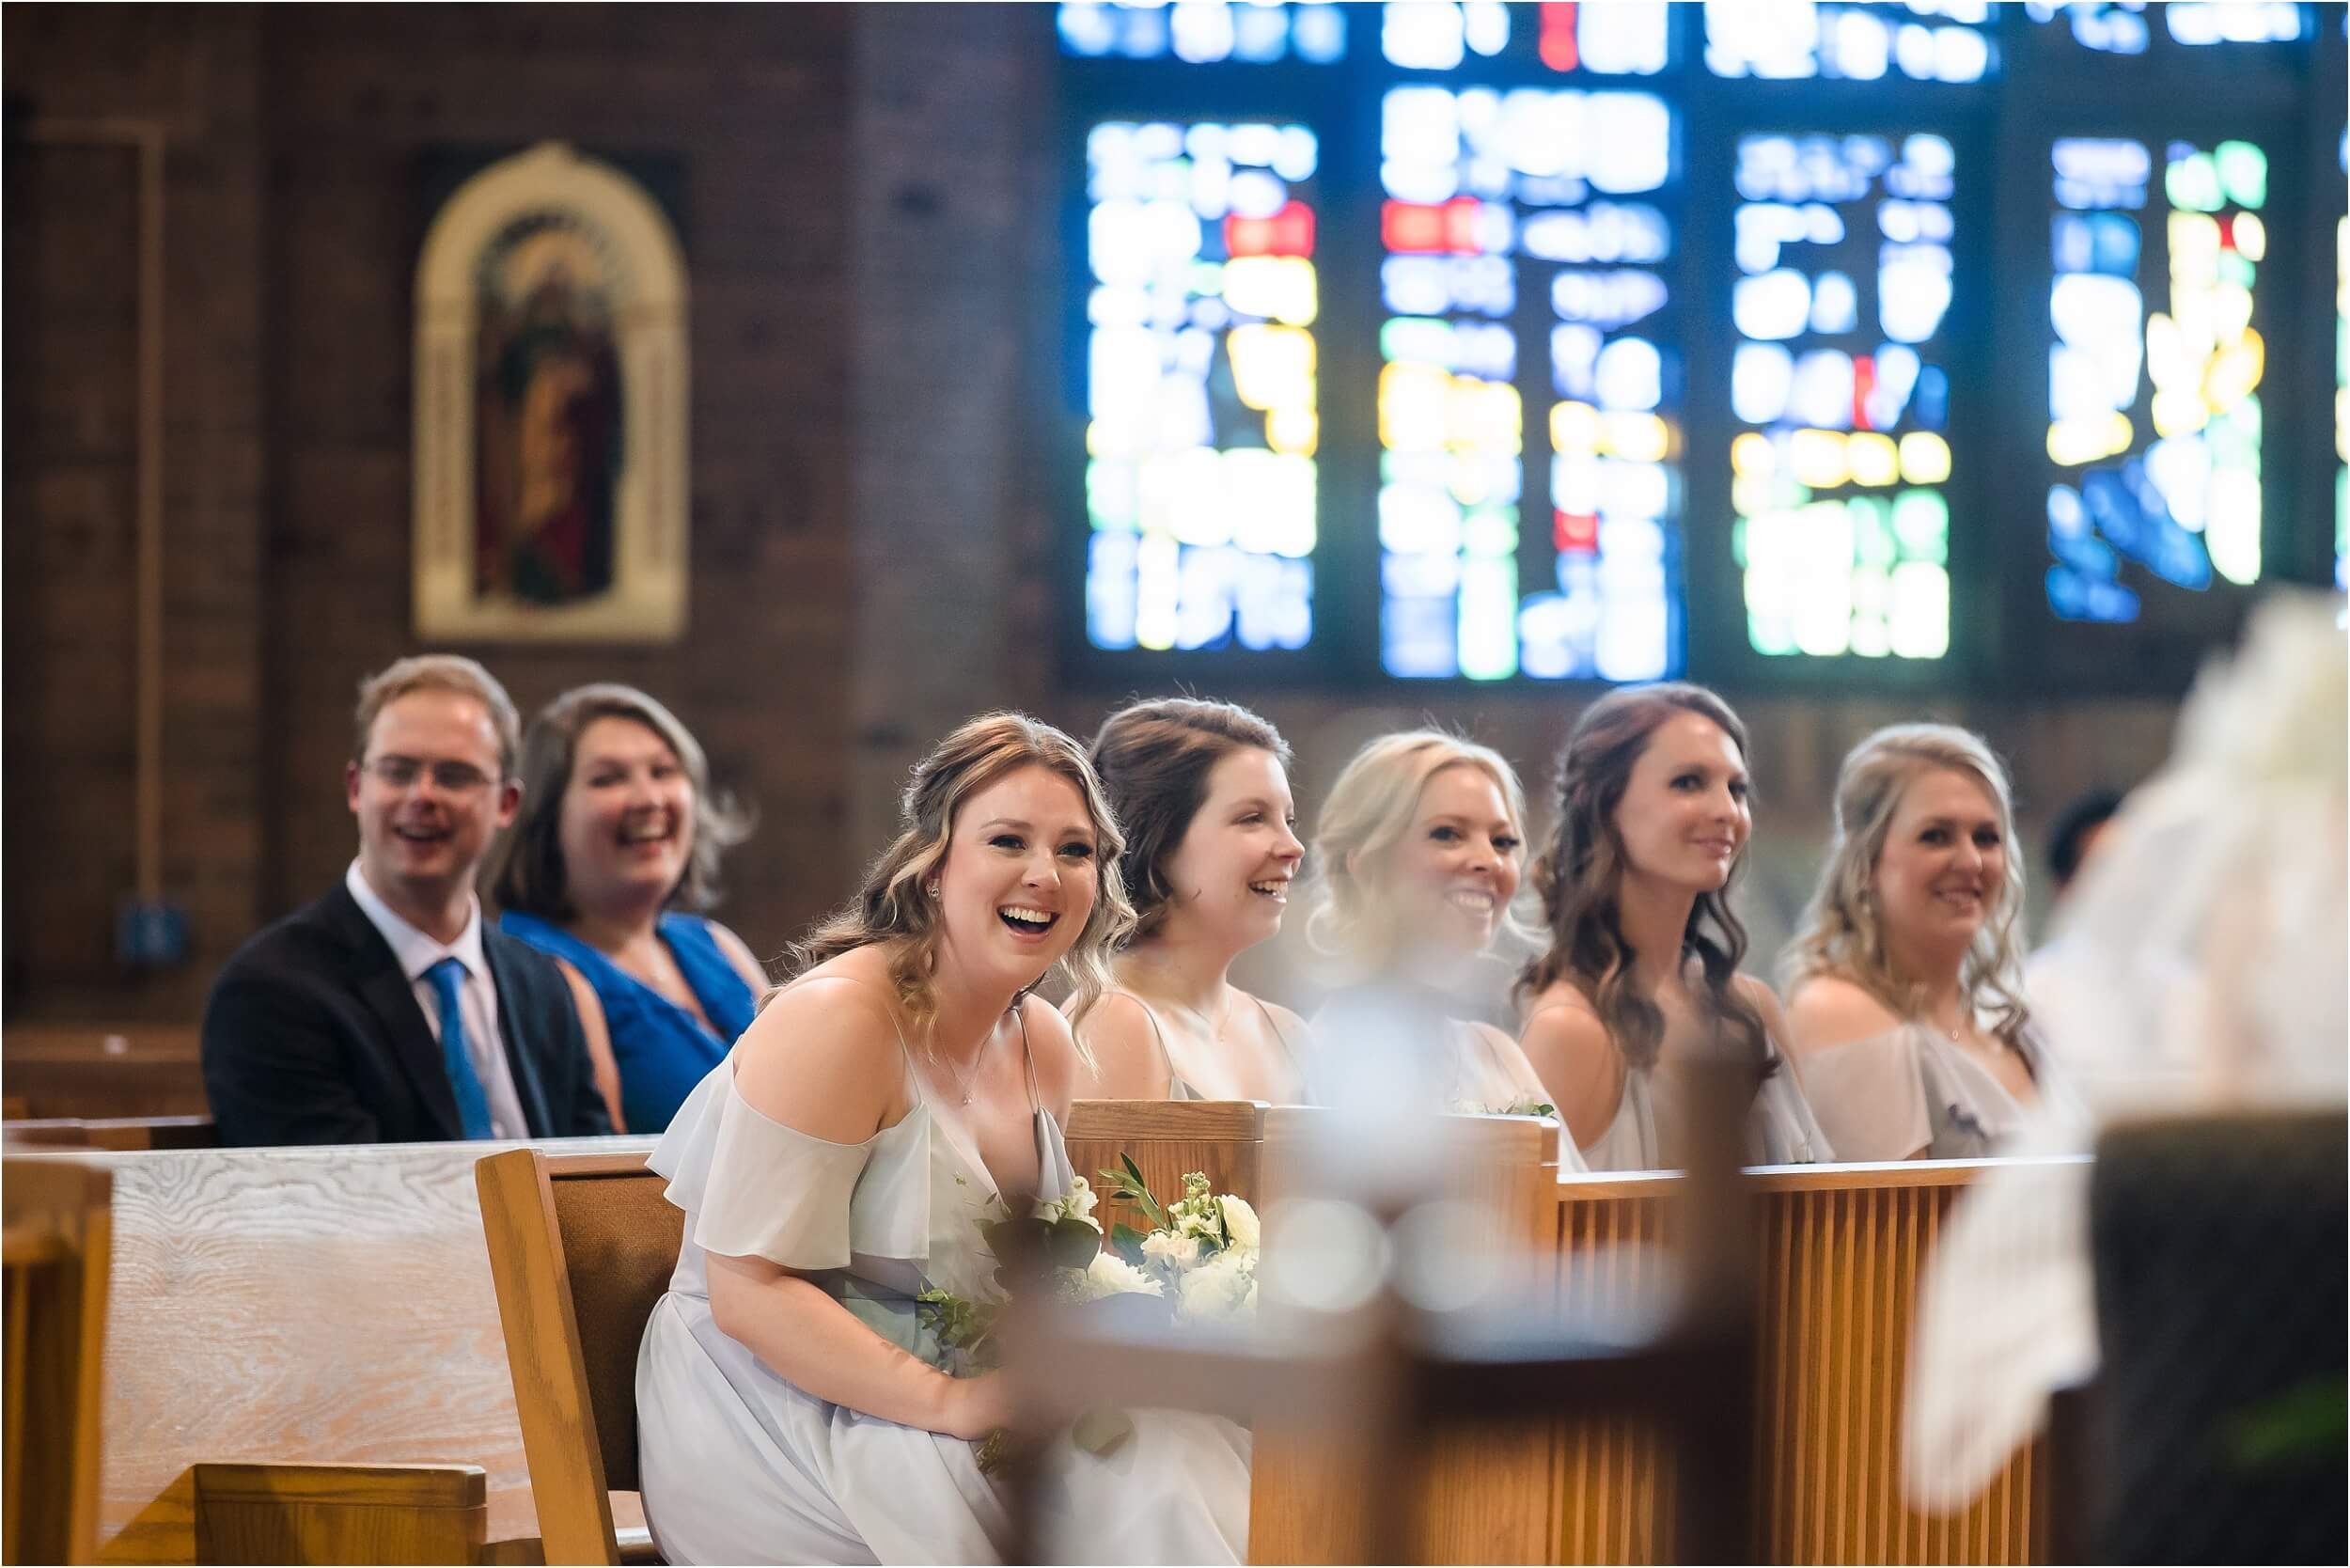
(326, 1305)
(57, 1223)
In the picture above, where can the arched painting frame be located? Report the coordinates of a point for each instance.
(550, 492)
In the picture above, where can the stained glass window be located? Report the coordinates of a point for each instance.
(1493, 197)
(1923, 40)
(1201, 384)
(2154, 374)
(1843, 251)
(2125, 27)
(2341, 386)
(1204, 32)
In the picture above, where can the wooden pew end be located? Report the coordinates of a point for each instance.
(341, 1513)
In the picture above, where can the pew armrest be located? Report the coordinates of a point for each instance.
(341, 1513)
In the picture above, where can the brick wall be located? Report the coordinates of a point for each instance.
(867, 210)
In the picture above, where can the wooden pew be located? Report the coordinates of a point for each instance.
(81, 1071)
(1842, 1249)
(1481, 1497)
(58, 1259)
(327, 1306)
(119, 1133)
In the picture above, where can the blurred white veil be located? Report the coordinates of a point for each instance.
(2198, 963)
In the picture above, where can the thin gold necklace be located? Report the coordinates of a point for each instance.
(1216, 1024)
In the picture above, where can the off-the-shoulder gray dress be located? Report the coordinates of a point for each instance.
(739, 1466)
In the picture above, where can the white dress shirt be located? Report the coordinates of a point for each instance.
(476, 998)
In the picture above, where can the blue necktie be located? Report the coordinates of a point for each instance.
(473, 1105)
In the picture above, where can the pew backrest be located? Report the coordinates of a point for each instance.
(66, 1071)
(1167, 1139)
(581, 1249)
(320, 1305)
(58, 1255)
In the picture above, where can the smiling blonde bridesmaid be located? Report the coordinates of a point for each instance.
(1907, 995)
(618, 836)
(1201, 790)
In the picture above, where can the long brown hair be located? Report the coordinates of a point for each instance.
(888, 905)
(1580, 872)
(1155, 758)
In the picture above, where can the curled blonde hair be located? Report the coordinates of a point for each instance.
(1368, 811)
(1840, 932)
(889, 905)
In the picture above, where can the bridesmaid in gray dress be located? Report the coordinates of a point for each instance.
(1641, 977)
(1905, 978)
(793, 1403)
(1417, 859)
(1201, 790)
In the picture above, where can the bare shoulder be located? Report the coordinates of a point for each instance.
(1129, 1063)
(1828, 1010)
(823, 1057)
(1562, 1018)
(1053, 1047)
(739, 953)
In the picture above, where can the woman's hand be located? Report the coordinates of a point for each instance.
(976, 1406)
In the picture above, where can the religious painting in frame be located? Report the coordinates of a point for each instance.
(550, 483)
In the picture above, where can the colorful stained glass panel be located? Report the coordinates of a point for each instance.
(1201, 384)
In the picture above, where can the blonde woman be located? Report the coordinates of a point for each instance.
(1420, 850)
(1906, 1000)
(792, 1404)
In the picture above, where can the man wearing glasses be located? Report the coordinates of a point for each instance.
(388, 1010)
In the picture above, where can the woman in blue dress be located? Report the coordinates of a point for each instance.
(617, 830)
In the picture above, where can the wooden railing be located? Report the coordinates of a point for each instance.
(1842, 1249)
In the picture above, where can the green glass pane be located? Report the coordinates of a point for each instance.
(2234, 268)
(1417, 337)
(2193, 182)
(1872, 531)
(1738, 542)
(1770, 636)
(1110, 496)
(1921, 522)
(2243, 173)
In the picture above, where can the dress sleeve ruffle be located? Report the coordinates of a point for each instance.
(752, 1188)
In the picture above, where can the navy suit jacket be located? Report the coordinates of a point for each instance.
(313, 1035)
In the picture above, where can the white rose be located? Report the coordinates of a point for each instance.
(1080, 1200)
(1221, 1288)
(1108, 1274)
(1176, 1252)
(1240, 1221)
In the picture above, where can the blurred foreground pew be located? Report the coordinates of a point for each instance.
(303, 1360)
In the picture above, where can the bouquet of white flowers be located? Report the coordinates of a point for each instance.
(1057, 1250)
(1203, 1248)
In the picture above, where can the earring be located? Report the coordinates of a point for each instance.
(931, 888)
